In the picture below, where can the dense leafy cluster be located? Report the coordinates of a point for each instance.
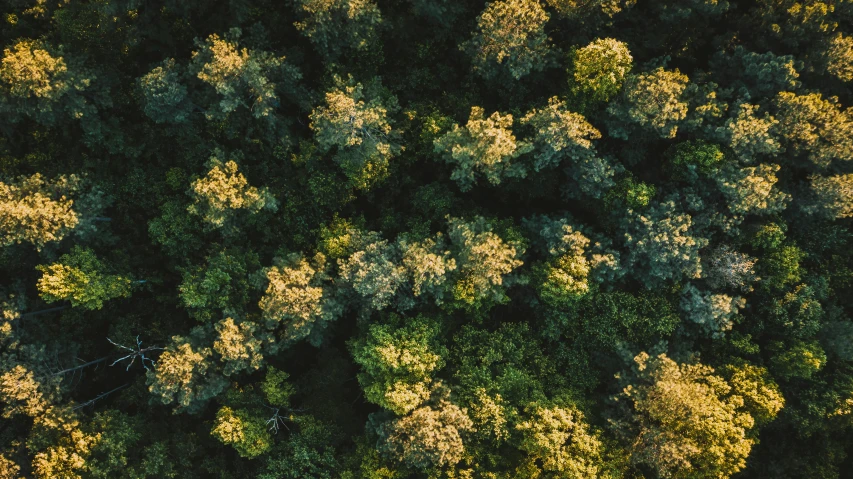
(433, 239)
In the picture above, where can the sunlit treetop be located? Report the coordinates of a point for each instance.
(510, 38)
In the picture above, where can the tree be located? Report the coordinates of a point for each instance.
(798, 312)
(559, 437)
(508, 365)
(751, 190)
(485, 146)
(354, 124)
(815, 128)
(483, 260)
(661, 246)
(839, 57)
(40, 211)
(712, 312)
(176, 230)
(8, 468)
(241, 77)
(631, 193)
(399, 360)
(692, 158)
(338, 26)
(224, 190)
(565, 277)
(374, 271)
(781, 267)
(652, 101)
(583, 10)
(247, 433)
(727, 268)
(83, 279)
(769, 236)
(593, 176)
(570, 244)
(612, 321)
(832, 196)
(430, 436)
(36, 82)
(560, 134)
(238, 346)
(185, 373)
(298, 295)
(220, 286)
(428, 264)
(799, 360)
(760, 393)
(117, 434)
(511, 37)
(306, 453)
(600, 68)
(751, 136)
(764, 74)
(165, 99)
(687, 422)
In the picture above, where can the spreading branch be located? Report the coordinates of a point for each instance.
(137, 352)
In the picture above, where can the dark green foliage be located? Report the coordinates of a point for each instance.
(426, 239)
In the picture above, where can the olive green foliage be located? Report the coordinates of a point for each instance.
(426, 239)
(600, 68)
(695, 157)
(81, 278)
(246, 433)
(399, 360)
(219, 285)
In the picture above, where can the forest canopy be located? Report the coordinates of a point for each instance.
(458, 239)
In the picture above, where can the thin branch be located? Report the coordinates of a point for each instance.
(44, 311)
(99, 397)
(82, 366)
